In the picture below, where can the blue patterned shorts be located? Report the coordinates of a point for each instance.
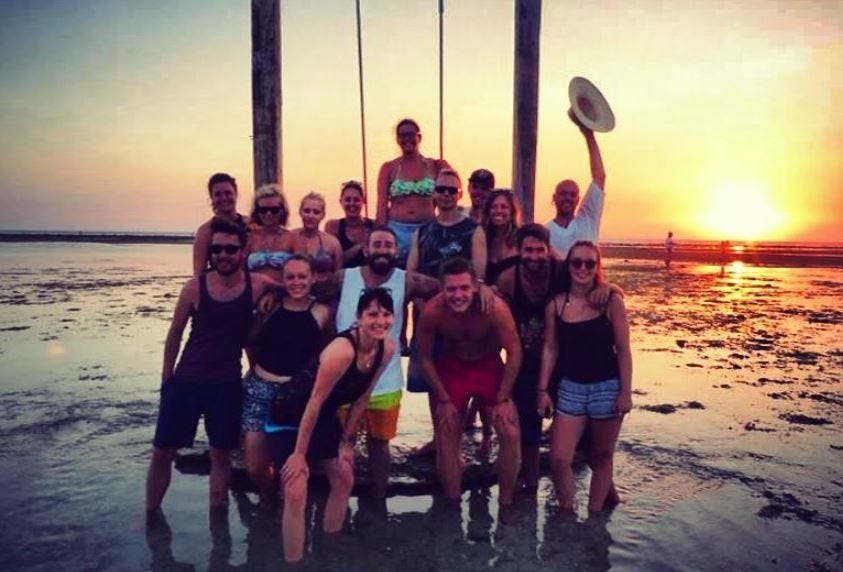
(257, 403)
(593, 400)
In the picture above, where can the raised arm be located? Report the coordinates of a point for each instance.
(200, 248)
(550, 353)
(188, 299)
(620, 327)
(595, 159)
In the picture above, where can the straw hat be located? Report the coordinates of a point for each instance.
(589, 106)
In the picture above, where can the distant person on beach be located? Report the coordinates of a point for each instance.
(305, 427)
(206, 381)
(669, 243)
(587, 351)
(480, 184)
(470, 366)
(266, 248)
(572, 224)
(351, 230)
(222, 190)
(321, 247)
(289, 337)
(406, 188)
(528, 286)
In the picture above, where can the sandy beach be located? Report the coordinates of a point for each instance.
(731, 459)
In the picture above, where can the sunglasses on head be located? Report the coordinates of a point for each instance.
(443, 190)
(269, 210)
(588, 263)
(227, 248)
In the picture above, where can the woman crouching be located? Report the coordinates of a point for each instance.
(305, 423)
(587, 350)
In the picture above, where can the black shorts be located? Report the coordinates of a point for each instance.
(324, 441)
(184, 401)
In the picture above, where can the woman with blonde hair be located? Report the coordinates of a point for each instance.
(267, 246)
(321, 247)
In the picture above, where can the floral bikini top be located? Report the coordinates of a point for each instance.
(423, 187)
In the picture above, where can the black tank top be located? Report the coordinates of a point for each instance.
(438, 243)
(346, 243)
(529, 319)
(217, 334)
(293, 396)
(496, 268)
(586, 350)
(288, 341)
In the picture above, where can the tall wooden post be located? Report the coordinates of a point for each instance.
(526, 108)
(266, 91)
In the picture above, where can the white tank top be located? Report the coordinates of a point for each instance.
(392, 378)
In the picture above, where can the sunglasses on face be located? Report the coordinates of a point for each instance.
(227, 248)
(588, 263)
(269, 210)
(443, 190)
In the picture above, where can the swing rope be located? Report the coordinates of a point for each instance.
(441, 79)
(362, 111)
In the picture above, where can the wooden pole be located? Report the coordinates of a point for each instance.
(526, 107)
(266, 92)
(441, 79)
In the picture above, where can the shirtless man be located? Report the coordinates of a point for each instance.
(206, 381)
(470, 366)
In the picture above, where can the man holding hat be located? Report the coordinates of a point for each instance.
(572, 224)
(480, 183)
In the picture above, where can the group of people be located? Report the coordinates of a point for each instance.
(321, 316)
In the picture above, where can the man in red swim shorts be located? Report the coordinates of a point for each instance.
(470, 366)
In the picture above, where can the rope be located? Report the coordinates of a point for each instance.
(362, 112)
(441, 81)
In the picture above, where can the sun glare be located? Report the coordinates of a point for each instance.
(740, 210)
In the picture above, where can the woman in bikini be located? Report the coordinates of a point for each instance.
(587, 349)
(286, 341)
(405, 188)
(266, 248)
(321, 247)
(222, 191)
(305, 424)
(351, 230)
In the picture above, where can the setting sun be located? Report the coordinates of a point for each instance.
(740, 210)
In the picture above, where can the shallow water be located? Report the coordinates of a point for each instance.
(732, 457)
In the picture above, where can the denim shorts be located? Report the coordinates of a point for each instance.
(257, 403)
(595, 400)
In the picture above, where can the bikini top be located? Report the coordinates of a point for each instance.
(266, 259)
(322, 259)
(404, 188)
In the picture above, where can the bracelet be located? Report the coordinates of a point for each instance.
(479, 281)
(504, 400)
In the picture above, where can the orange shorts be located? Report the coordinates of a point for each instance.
(381, 416)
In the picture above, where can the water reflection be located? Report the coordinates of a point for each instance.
(159, 538)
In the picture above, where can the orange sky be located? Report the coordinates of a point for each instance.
(111, 118)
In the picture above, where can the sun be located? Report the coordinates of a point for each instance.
(740, 210)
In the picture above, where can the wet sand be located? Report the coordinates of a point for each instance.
(731, 458)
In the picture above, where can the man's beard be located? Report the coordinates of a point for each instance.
(537, 266)
(380, 264)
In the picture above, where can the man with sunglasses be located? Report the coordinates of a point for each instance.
(450, 234)
(571, 224)
(206, 381)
